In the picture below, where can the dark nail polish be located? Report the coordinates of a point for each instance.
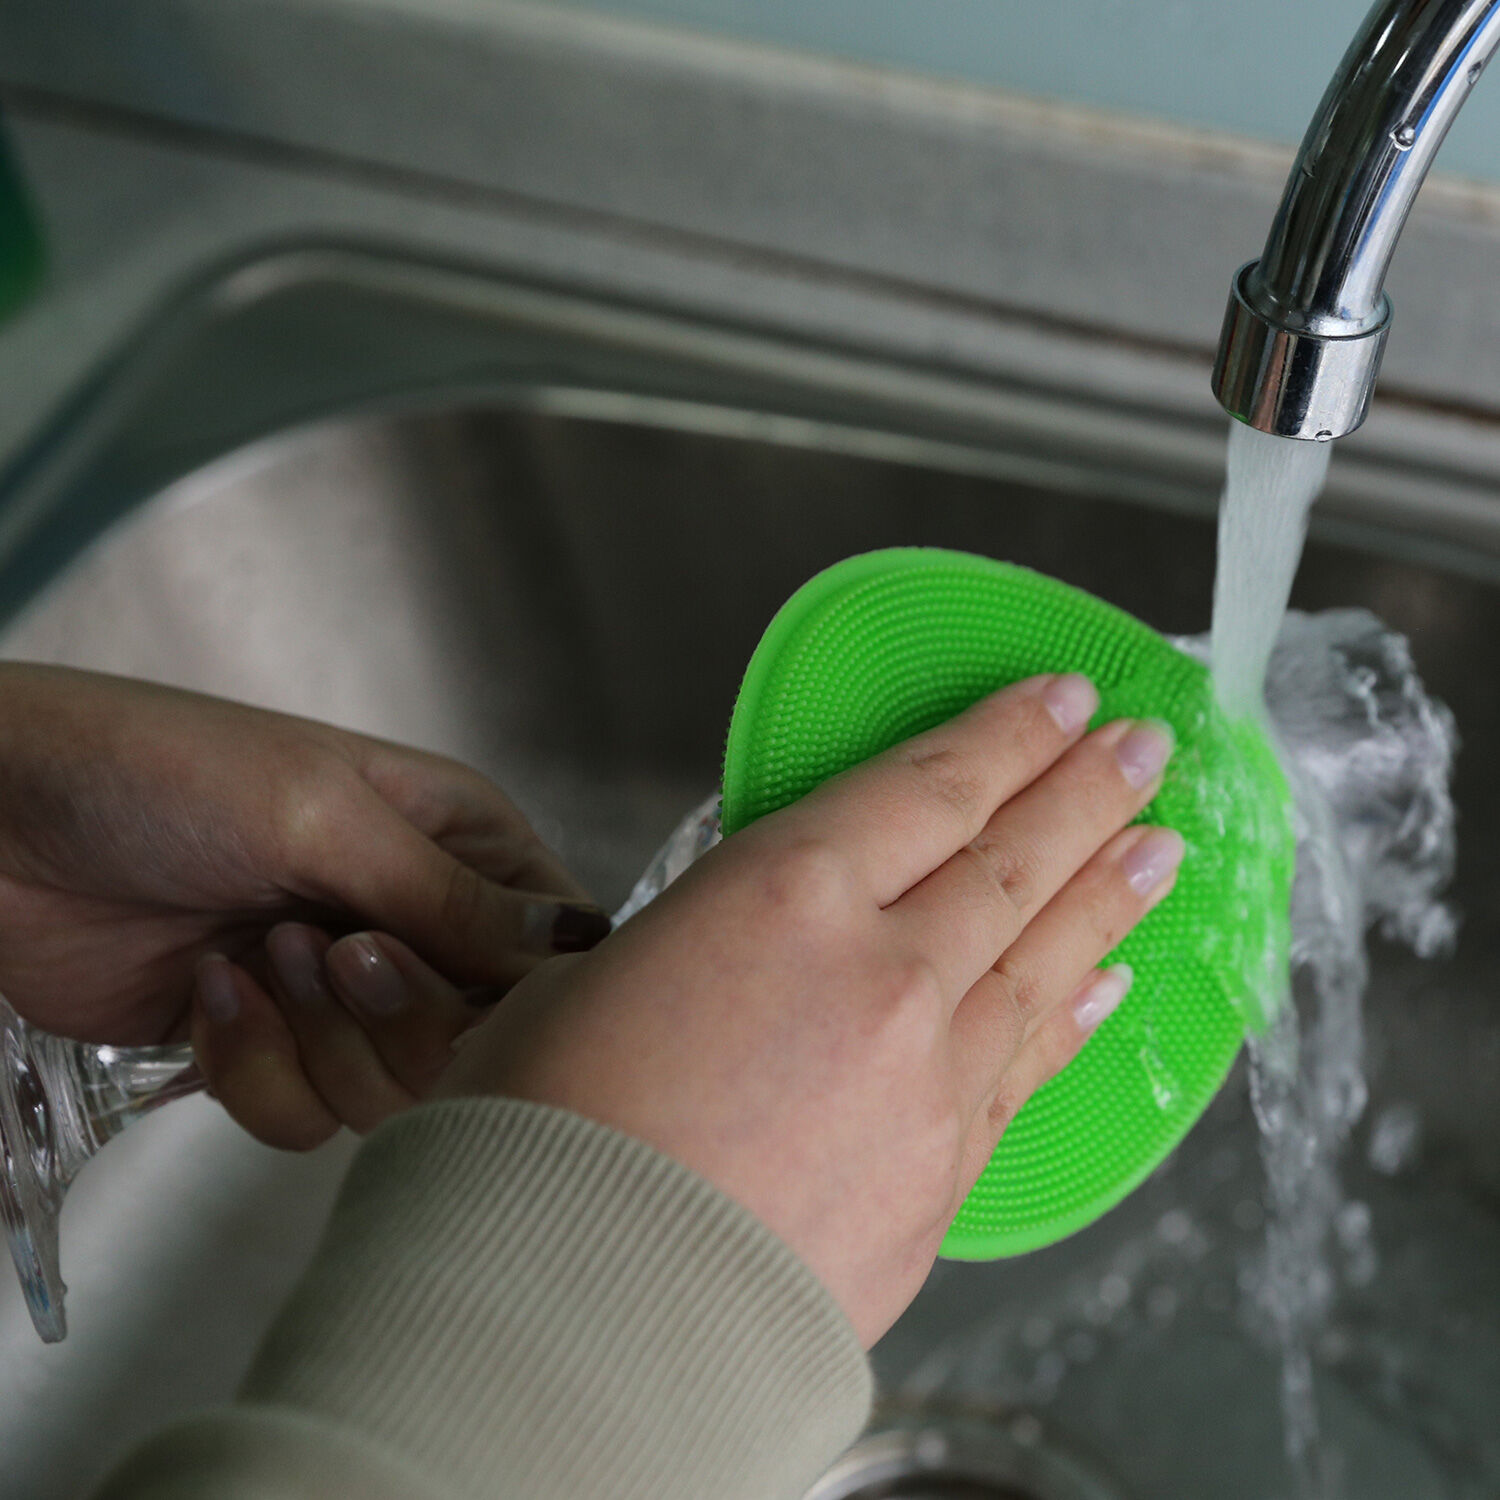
(579, 928)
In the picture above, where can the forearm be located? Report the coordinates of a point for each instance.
(515, 1302)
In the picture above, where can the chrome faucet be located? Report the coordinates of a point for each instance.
(1307, 322)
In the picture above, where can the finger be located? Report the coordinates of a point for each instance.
(407, 1012)
(338, 1056)
(462, 810)
(498, 842)
(1055, 1044)
(249, 1060)
(1086, 921)
(375, 863)
(468, 815)
(898, 816)
(962, 917)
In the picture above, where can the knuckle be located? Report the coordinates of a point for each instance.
(1008, 1019)
(1003, 1107)
(308, 802)
(1014, 865)
(302, 815)
(949, 1137)
(806, 879)
(951, 779)
(1038, 732)
(916, 990)
(937, 1135)
(1020, 713)
(1020, 989)
(905, 1023)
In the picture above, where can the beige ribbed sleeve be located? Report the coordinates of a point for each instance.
(514, 1303)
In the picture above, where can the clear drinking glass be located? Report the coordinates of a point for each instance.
(61, 1100)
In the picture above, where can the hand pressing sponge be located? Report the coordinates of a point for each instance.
(882, 646)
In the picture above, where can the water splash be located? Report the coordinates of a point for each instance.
(1370, 753)
(1164, 1085)
(1368, 757)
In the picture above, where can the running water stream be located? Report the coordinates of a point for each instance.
(1368, 756)
(1269, 487)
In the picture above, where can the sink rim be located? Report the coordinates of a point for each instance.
(95, 459)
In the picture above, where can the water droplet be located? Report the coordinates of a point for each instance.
(1174, 1227)
(1163, 1084)
(1248, 1215)
(1026, 1430)
(1404, 137)
(1325, 436)
(1352, 1223)
(1162, 1304)
(1395, 1139)
(1081, 1347)
(1050, 1369)
(1036, 1332)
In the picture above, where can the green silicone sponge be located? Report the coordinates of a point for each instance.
(885, 645)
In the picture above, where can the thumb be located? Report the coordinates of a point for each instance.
(467, 926)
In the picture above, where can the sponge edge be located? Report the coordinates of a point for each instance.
(882, 646)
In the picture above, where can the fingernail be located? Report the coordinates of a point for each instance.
(1072, 701)
(216, 986)
(579, 928)
(1151, 859)
(297, 964)
(366, 976)
(1144, 751)
(1101, 995)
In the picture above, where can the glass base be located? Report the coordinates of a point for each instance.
(31, 1188)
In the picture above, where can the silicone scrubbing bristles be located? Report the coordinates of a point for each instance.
(883, 646)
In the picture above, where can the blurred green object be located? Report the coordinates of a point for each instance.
(20, 243)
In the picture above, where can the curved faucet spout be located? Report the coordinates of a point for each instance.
(1306, 323)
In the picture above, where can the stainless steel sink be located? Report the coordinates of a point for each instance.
(544, 537)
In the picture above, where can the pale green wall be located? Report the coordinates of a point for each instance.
(1256, 67)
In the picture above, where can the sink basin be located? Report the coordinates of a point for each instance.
(545, 539)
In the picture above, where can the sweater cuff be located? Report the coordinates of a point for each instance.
(511, 1299)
